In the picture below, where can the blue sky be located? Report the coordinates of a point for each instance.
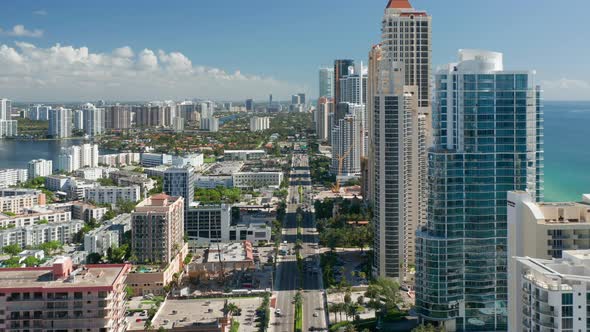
(251, 48)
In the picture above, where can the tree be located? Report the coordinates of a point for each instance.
(12, 249)
(349, 328)
(232, 309)
(31, 261)
(93, 258)
(384, 295)
(428, 328)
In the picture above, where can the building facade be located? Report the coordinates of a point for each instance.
(486, 143)
(157, 228)
(113, 195)
(341, 69)
(323, 112)
(64, 297)
(12, 176)
(259, 123)
(60, 122)
(326, 83)
(208, 223)
(549, 294)
(39, 167)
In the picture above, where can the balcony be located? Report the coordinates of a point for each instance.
(545, 323)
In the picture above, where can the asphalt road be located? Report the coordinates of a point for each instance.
(288, 279)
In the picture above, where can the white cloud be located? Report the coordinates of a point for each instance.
(40, 12)
(19, 30)
(61, 73)
(566, 89)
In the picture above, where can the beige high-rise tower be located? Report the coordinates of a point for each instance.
(399, 89)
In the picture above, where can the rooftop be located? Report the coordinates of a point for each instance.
(233, 252)
(62, 275)
(399, 4)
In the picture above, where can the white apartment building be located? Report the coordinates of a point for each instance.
(255, 232)
(119, 159)
(94, 119)
(549, 295)
(549, 228)
(257, 179)
(38, 113)
(101, 239)
(60, 122)
(259, 123)
(78, 120)
(94, 173)
(32, 216)
(56, 182)
(77, 156)
(196, 160)
(12, 177)
(8, 127)
(207, 223)
(34, 235)
(347, 142)
(112, 195)
(210, 124)
(39, 167)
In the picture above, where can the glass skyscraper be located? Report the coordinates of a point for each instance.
(488, 140)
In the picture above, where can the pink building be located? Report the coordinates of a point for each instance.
(63, 298)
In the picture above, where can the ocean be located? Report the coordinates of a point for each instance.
(567, 157)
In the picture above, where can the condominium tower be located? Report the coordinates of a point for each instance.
(323, 112)
(157, 228)
(399, 142)
(341, 68)
(327, 82)
(60, 122)
(487, 141)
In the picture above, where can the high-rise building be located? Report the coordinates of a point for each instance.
(258, 123)
(117, 117)
(32, 295)
(324, 110)
(60, 122)
(375, 56)
(250, 105)
(302, 98)
(341, 69)
(347, 143)
(327, 82)
(399, 170)
(407, 38)
(5, 109)
(353, 87)
(39, 167)
(38, 113)
(157, 228)
(295, 100)
(548, 294)
(93, 120)
(180, 182)
(8, 127)
(78, 120)
(77, 156)
(486, 142)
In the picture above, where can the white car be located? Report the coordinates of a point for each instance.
(278, 312)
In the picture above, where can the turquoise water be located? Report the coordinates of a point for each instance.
(567, 153)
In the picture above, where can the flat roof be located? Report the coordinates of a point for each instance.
(40, 278)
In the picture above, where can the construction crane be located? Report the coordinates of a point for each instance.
(336, 186)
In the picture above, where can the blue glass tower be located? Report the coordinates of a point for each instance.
(488, 139)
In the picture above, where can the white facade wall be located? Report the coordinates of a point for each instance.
(39, 167)
(257, 179)
(35, 235)
(12, 177)
(111, 195)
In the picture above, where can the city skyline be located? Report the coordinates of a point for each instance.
(46, 58)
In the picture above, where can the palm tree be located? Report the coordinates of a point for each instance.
(232, 309)
(333, 308)
(350, 328)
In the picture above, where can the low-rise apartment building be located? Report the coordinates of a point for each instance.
(17, 200)
(112, 195)
(243, 155)
(34, 235)
(255, 180)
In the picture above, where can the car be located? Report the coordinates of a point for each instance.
(278, 312)
(315, 314)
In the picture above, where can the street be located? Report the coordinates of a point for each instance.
(288, 275)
